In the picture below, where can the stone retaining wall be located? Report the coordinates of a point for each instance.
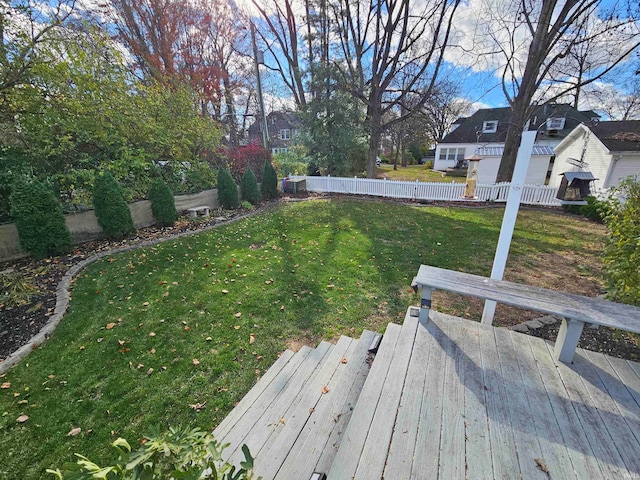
(84, 225)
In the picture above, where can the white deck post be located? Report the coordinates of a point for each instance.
(509, 218)
(567, 340)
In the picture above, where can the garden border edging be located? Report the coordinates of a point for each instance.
(63, 295)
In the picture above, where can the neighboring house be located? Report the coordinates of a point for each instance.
(485, 131)
(283, 127)
(609, 150)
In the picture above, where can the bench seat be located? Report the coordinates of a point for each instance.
(203, 210)
(576, 310)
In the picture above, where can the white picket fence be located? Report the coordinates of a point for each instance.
(434, 191)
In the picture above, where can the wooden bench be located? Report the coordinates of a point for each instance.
(575, 310)
(195, 211)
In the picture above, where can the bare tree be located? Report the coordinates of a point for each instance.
(551, 32)
(392, 51)
(617, 104)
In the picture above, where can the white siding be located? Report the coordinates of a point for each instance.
(596, 156)
(536, 173)
(442, 164)
(623, 168)
(488, 169)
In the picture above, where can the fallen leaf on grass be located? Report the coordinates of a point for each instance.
(145, 304)
(198, 406)
(153, 350)
(150, 371)
(6, 385)
(22, 419)
(165, 294)
(195, 361)
(237, 327)
(121, 342)
(208, 339)
(238, 315)
(225, 291)
(252, 338)
(152, 334)
(187, 328)
(100, 339)
(110, 326)
(74, 431)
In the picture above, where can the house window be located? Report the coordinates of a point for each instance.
(490, 126)
(452, 154)
(555, 123)
(277, 150)
(285, 134)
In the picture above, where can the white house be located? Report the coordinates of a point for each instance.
(484, 133)
(609, 150)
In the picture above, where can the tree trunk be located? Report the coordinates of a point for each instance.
(374, 143)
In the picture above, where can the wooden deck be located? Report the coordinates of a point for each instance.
(450, 399)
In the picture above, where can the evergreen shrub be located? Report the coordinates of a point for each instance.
(269, 186)
(39, 220)
(249, 187)
(112, 212)
(163, 205)
(227, 190)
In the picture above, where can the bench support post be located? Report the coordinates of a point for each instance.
(567, 340)
(425, 305)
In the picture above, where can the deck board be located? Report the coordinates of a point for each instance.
(427, 452)
(346, 461)
(330, 412)
(449, 399)
(475, 407)
(381, 430)
(405, 431)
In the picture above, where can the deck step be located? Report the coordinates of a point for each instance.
(269, 408)
(365, 442)
(318, 440)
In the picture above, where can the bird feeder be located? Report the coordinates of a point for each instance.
(472, 176)
(575, 187)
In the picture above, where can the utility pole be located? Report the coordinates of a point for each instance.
(257, 62)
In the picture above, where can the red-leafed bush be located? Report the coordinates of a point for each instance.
(239, 159)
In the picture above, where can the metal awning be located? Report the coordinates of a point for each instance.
(579, 175)
(497, 151)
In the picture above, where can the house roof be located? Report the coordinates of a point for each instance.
(466, 132)
(620, 136)
(497, 151)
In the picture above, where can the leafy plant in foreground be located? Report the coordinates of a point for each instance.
(189, 454)
(39, 220)
(622, 252)
(163, 205)
(111, 209)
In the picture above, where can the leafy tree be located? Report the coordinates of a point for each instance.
(39, 220)
(227, 189)
(163, 204)
(249, 187)
(622, 252)
(269, 187)
(112, 212)
(84, 109)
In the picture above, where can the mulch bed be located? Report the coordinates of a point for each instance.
(615, 343)
(19, 324)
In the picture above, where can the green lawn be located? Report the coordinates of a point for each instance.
(415, 172)
(153, 331)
